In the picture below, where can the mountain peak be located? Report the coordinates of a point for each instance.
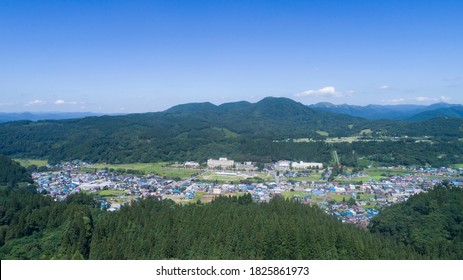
(190, 107)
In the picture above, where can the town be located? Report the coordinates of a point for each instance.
(352, 197)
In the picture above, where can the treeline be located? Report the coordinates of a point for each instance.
(431, 223)
(11, 172)
(33, 226)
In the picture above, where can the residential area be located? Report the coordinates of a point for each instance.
(352, 198)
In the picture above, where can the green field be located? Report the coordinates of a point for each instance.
(211, 176)
(234, 179)
(198, 195)
(28, 162)
(339, 197)
(375, 174)
(160, 168)
(322, 133)
(460, 165)
(106, 193)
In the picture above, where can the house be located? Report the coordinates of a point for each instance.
(318, 192)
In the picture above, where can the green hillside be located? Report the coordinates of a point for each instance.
(432, 223)
(241, 130)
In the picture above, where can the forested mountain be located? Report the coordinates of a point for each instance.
(241, 130)
(432, 223)
(450, 112)
(392, 112)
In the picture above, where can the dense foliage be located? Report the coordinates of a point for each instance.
(11, 172)
(432, 223)
(242, 131)
(33, 226)
(231, 228)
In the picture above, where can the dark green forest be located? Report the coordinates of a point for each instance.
(12, 173)
(242, 131)
(432, 223)
(34, 227)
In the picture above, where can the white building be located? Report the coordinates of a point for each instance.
(191, 164)
(221, 162)
(306, 165)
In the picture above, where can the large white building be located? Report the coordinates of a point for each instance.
(306, 165)
(221, 162)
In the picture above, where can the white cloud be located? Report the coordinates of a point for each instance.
(62, 102)
(322, 92)
(425, 99)
(445, 99)
(419, 99)
(384, 87)
(35, 102)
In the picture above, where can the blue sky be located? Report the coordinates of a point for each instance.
(138, 56)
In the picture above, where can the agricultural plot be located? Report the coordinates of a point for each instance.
(162, 169)
(29, 162)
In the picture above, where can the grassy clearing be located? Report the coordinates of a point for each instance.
(459, 165)
(199, 195)
(322, 133)
(234, 179)
(106, 193)
(222, 178)
(378, 174)
(339, 197)
(28, 162)
(228, 133)
(160, 168)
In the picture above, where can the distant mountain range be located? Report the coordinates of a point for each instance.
(394, 112)
(407, 112)
(9, 117)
